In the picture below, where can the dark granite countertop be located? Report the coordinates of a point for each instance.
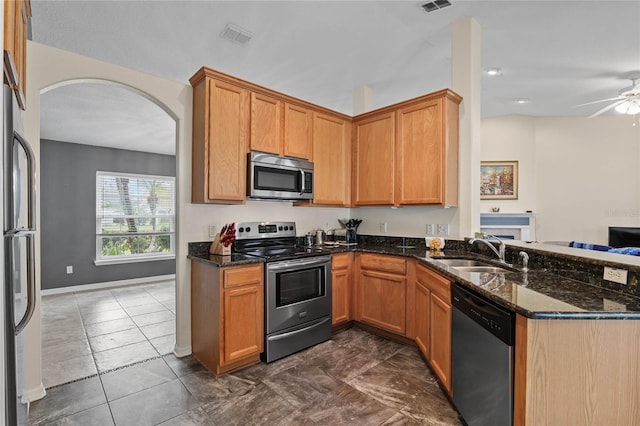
(535, 294)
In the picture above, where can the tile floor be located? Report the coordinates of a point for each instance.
(356, 379)
(92, 332)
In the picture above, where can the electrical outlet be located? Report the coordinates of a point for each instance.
(616, 275)
(213, 231)
(431, 229)
(443, 229)
(610, 305)
(383, 226)
(69, 269)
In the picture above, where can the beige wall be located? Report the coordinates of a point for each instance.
(578, 175)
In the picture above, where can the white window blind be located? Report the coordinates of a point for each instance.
(135, 217)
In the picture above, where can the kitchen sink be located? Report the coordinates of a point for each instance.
(487, 269)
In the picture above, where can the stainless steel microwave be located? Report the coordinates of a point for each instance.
(281, 178)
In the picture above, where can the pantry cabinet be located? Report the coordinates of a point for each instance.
(382, 289)
(432, 321)
(220, 141)
(331, 160)
(227, 328)
(341, 285)
(16, 21)
(373, 165)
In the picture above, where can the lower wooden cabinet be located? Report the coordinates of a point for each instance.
(382, 292)
(227, 320)
(341, 284)
(432, 321)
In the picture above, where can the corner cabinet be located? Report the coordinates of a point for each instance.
(220, 141)
(332, 160)
(341, 284)
(16, 22)
(407, 153)
(227, 328)
(432, 321)
(382, 292)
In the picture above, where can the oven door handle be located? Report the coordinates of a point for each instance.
(299, 263)
(302, 330)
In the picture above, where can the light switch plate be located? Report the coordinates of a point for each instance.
(443, 229)
(212, 230)
(616, 275)
(610, 305)
(431, 229)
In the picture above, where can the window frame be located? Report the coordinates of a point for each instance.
(100, 259)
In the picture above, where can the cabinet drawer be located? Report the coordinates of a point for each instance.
(340, 261)
(435, 282)
(394, 265)
(235, 276)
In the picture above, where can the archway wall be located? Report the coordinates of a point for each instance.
(50, 67)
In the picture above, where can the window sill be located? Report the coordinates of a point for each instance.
(118, 261)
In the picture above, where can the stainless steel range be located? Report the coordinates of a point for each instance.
(297, 287)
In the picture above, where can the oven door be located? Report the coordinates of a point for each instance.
(298, 291)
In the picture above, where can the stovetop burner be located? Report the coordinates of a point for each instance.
(271, 241)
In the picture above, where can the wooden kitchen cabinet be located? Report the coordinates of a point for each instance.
(16, 21)
(382, 290)
(341, 284)
(220, 141)
(426, 170)
(373, 165)
(266, 124)
(332, 160)
(227, 328)
(298, 127)
(432, 321)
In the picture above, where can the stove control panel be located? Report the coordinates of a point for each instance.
(251, 230)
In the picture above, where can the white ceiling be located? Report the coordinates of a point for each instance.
(557, 54)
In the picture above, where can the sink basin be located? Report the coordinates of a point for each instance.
(487, 269)
(455, 263)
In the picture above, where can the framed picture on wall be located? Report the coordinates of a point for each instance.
(498, 180)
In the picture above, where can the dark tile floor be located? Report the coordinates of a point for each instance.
(355, 379)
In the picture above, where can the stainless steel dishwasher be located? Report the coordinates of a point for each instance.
(482, 352)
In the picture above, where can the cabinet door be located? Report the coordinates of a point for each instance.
(228, 118)
(422, 304)
(16, 16)
(341, 296)
(419, 154)
(297, 131)
(266, 124)
(441, 340)
(243, 323)
(383, 300)
(331, 160)
(373, 163)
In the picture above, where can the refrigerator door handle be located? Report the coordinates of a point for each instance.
(31, 184)
(31, 285)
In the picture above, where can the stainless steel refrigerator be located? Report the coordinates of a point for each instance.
(18, 267)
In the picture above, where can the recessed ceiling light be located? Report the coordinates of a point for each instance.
(522, 101)
(236, 34)
(493, 71)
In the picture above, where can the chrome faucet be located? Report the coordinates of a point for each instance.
(525, 260)
(487, 241)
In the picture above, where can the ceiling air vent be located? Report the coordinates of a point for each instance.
(435, 5)
(235, 34)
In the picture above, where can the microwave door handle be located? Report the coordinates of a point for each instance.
(302, 187)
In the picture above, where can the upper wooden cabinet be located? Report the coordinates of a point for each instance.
(426, 169)
(373, 166)
(16, 21)
(331, 160)
(407, 153)
(266, 124)
(297, 131)
(220, 141)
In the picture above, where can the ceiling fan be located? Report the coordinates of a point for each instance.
(627, 101)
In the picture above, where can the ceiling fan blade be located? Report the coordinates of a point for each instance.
(601, 100)
(607, 108)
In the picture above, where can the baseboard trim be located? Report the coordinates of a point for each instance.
(182, 351)
(108, 284)
(30, 395)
